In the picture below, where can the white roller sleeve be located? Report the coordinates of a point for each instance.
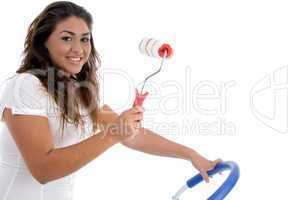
(150, 47)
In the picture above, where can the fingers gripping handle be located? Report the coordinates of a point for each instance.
(223, 190)
(226, 187)
(139, 99)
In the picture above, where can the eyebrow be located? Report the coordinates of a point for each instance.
(70, 32)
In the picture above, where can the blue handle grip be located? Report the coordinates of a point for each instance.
(226, 187)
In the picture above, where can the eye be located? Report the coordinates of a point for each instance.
(85, 39)
(66, 38)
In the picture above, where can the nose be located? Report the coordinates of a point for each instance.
(77, 47)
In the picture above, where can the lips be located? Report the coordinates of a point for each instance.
(74, 60)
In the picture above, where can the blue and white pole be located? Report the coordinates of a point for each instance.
(223, 190)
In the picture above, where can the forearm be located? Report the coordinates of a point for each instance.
(64, 161)
(152, 143)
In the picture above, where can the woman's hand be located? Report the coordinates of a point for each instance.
(127, 124)
(202, 164)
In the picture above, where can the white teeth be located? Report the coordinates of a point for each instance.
(74, 59)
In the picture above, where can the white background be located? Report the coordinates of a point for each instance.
(231, 67)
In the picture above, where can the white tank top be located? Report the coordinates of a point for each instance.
(24, 94)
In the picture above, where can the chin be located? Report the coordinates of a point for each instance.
(74, 70)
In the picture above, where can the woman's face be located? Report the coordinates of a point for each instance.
(69, 45)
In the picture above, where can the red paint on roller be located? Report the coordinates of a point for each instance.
(139, 98)
(165, 48)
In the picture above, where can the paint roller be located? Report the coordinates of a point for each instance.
(154, 48)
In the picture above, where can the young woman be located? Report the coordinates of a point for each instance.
(52, 102)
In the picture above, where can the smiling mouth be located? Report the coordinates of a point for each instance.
(74, 60)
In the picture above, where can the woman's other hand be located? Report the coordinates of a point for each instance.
(203, 165)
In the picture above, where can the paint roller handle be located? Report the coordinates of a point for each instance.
(139, 99)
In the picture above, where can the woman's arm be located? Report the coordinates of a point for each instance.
(46, 163)
(149, 142)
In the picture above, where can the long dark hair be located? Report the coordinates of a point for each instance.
(37, 61)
